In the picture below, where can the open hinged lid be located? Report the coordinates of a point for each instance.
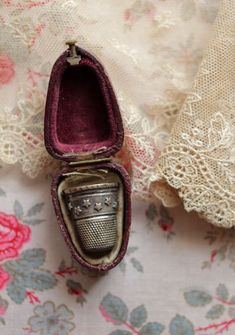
(82, 118)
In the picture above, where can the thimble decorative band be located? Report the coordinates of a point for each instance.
(93, 209)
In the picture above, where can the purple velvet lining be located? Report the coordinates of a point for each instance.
(126, 213)
(82, 116)
(83, 120)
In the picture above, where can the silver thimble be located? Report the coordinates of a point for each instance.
(93, 209)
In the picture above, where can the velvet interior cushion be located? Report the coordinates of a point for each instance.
(82, 113)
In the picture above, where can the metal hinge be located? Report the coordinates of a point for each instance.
(91, 161)
(73, 57)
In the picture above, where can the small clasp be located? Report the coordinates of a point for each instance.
(73, 57)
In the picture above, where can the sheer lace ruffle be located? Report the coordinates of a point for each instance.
(199, 161)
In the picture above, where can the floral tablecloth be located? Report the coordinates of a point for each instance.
(177, 276)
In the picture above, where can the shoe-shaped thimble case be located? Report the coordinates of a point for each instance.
(83, 127)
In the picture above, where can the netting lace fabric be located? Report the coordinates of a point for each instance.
(198, 164)
(150, 49)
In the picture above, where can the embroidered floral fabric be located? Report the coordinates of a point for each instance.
(199, 162)
(151, 52)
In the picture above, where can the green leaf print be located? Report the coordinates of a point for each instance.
(222, 292)
(197, 298)
(26, 273)
(35, 209)
(138, 316)
(181, 326)
(114, 308)
(215, 312)
(152, 328)
(121, 332)
(18, 209)
(136, 264)
(16, 292)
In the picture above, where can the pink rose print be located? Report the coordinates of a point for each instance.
(165, 225)
(3, 310)
(13, 235)
(4, 279)
(7, 70)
